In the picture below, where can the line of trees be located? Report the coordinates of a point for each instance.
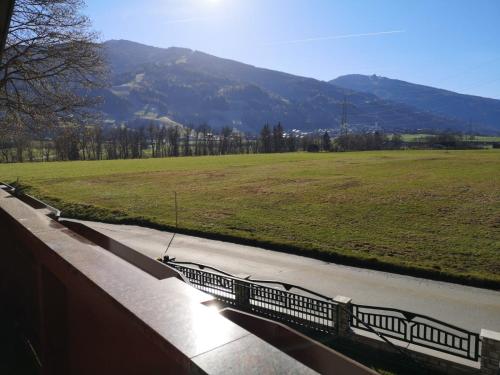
(274, 139)
(85, 142)
(92, 142)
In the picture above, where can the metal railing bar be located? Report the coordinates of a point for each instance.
(415, 315)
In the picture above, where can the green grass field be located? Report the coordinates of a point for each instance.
(425, 210)
(423, 137)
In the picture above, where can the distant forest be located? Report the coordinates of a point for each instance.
(71, 142)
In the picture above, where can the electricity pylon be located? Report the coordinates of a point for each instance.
(344, 129)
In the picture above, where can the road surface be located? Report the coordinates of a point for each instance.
(467, 307)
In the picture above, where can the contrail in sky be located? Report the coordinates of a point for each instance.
(333, 37)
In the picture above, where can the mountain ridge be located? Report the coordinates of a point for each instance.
(476, 110)
(192, 87)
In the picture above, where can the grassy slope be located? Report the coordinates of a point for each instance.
(435, 210)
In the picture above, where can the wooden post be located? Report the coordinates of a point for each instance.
(176, 211)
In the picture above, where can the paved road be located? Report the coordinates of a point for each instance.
(467, 307)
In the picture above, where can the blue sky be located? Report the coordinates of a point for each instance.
(452, 44)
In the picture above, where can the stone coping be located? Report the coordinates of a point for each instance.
(490, 335)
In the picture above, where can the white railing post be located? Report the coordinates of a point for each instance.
(343, 315)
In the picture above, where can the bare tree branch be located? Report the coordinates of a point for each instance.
(52, 62)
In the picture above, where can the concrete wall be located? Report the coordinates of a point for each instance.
(74, 327)
(86, 310)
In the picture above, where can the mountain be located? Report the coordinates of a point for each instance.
(191, 88)
(481, 113)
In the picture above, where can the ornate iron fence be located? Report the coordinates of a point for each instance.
(289, 307)
(416, 329)
(281, 305)
(318, 312)
(221, 286)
